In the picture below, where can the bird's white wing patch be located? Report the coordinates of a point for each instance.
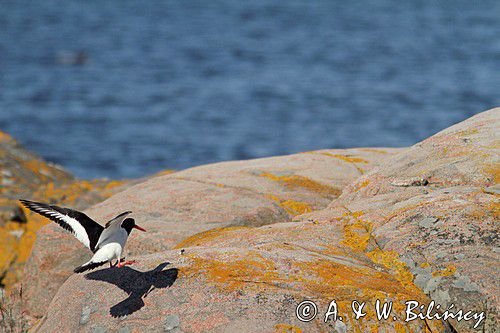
(76, 228)
(79, 231)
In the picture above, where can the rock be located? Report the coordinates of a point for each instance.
(175, 206)
(428, 222)
(495, 189)
(419, 226)
(244, 280)
(450, 224)
(25, 175)
(171, 323)
(85, 315)
(21, 174)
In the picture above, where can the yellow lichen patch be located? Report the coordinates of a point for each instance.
(113, 184)
(4, 137)
(329, 279)
(448, 271)
(70, 192)
(399, 328)
(296, 207)
(234, 272)
(466, 133)
(346, 158)
(374, 150)
(390, 259)
(205, 236)
(357, 234)
(292, 207)
(493, 171)
(295, 181)
(285, 328)
(322, 278)
(425, 265)
(38, 167)
(8, 243)
(164, 172)
(361, 185)
(484, 211)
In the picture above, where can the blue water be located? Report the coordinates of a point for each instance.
(124, 89)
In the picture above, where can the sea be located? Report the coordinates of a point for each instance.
(124, 89)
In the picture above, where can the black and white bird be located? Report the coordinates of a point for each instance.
(107, 243)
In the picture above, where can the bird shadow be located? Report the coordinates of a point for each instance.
(135, 283)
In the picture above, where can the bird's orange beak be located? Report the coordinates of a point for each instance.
(139, 228)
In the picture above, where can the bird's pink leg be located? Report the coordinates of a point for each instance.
(122, 264)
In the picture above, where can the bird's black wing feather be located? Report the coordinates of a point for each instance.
(69, 219)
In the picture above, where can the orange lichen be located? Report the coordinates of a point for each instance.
(164, 172)
(285, 328)
(232, 270)
(292, 207)
(4, 137)
(390, 259)
(448, 271)
(357, 235)
(296, 207)
(399, 328)
(323, 278)
(484, 211)
(357, 232)
(346, 158)
(205, 236)
(361, 185)
(493, 171)
(466, 133)
(113, 184)
(374, 150)
(303, 182)
(232, 273)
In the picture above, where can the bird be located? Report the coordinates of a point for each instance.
(106, 243)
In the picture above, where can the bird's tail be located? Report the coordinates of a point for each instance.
(88, 266)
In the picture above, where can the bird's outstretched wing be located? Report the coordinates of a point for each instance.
(83, 227)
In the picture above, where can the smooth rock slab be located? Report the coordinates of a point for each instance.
(444, 221)
(175, 206)
(251, 287)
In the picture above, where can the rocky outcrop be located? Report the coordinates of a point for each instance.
(253, 239)
(201, 200)
(437, 206)
(25, 175)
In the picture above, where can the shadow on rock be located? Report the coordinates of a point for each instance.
(135, 283)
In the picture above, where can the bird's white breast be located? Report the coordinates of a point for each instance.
(111, 246)
(108, 252)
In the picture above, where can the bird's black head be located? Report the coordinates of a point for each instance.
(129, 223)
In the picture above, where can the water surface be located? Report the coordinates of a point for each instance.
(124, 89)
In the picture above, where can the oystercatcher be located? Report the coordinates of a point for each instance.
(107, 243)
